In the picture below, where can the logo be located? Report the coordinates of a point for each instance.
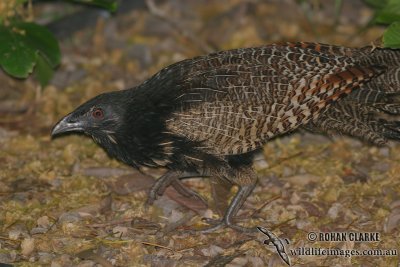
(284, 250)
(277, 243)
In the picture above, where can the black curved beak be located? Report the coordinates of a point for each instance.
(66, 125)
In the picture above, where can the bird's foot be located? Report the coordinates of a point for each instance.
(172, 179)
(159, 187)
(232, 210)
(151, 197)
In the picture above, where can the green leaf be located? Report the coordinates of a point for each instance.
(377, 4)
(43, 71)
(23, 44)
(391, 37)
(110, 5)
(41, 39)
(389, 13)
(16, 58)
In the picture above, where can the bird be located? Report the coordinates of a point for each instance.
(209, 115)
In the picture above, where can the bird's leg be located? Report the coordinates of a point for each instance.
(172, 178)
(187, 192)
(235, 205)
(246, 179)
(161, 184)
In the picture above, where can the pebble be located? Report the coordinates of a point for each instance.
(27, 246)
(5, 257)
(15, 234)
(120, 231)
(69, 217)
(384, 151)
(38, 230)
(43, 222)
(334, 210)
(212, 251)
(86, 263)
(45, 257)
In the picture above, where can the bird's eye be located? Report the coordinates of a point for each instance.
(98, 113)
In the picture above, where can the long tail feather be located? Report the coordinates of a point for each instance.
(368, 112)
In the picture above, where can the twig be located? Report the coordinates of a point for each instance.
(281, 160)
(282, 223)
(264, 205)
(9, 239)
(99, 225)
(156, 245)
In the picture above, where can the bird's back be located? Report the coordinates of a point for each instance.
(232, 102)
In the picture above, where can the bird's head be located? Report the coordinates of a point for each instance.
(99, 117)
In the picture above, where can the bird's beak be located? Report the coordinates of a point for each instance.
(64, 125)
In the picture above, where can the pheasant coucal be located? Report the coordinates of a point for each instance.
(210, 114)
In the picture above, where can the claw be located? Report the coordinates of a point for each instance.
(210, 221)
(211, 229)
(233, 208)
(172, 178)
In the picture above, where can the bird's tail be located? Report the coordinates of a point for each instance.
(371, 112)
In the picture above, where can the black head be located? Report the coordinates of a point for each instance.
(99, 117)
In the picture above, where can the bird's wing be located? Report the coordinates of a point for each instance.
(232, 102)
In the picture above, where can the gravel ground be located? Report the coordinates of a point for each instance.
(63, 202)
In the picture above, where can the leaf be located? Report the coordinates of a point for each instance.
(129, 183)
(391, 37)
(23, 45)
(393, 220)
(105, 172)
(389, 13)
(41, 39)
(16, 58)
(377, 4)
(191, 203)
(43, 70)
(220, 189)
(110, 5)
(89, 254)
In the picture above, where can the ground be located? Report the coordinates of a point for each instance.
(64, 202)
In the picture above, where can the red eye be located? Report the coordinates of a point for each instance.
(98, 113)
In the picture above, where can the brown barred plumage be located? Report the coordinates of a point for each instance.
(361, 113)
(235, 101)
(208, 114)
